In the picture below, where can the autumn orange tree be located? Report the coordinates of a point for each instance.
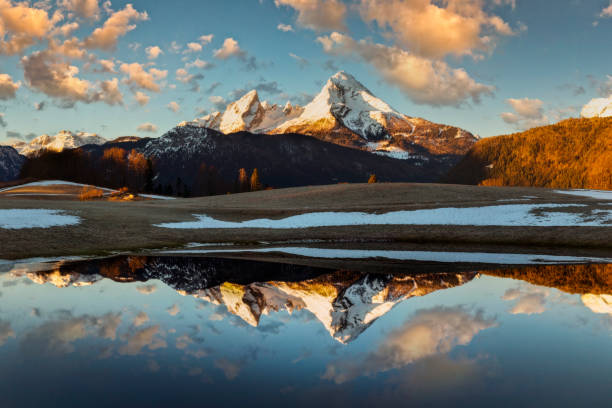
(574, 153)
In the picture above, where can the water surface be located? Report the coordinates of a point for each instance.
(179, 331)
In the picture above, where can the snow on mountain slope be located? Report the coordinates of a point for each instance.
(10, 163)
(344, 101)
(344, 112)
(600, 304)
(247, 114)
(346, 305)
(599, 107)
(63, 140)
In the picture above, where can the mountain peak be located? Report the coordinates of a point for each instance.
(345, 80)
(64, 139)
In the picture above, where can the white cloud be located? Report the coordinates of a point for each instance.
(141, 318)
(147, 337)
(435, 29)
(430, 332)
(606, 12)
(141, 98)
(66, 29)
(206, 39)
(198, 63)
(46, 73)
(150, 288)
(320, 15)
(218, 102)
(107, 65)
(284, 27)
(153, 52)
(21, 26)
(117, 25)
(8, 88)
(527, 113)
(425, 81)
(85, 8)
(5, 332)
(110, 93)
(229, 49)
(174, 309)
(230, 369)
(139, 77)
(302, 62)
(193, 47)
(147, 127)
(530, 300)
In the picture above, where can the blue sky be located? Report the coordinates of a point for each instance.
(527, 62)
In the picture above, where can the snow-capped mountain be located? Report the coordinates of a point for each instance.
(248, 114)
(345, 112)
(282, 160)
(63, 140)
(10, 163)
(346, 303)
(600, 304)
(599, 107)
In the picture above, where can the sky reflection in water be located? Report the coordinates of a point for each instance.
(155, 331)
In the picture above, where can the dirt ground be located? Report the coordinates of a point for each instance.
(129, 226)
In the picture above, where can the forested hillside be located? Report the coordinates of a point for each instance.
(574, 153)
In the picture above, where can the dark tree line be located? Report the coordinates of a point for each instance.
(116, 167)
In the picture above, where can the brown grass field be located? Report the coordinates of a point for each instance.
(129, 226)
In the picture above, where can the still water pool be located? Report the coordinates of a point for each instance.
(208, 332)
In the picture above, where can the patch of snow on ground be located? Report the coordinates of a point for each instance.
(46, 183)
(510, 215)
(35, 218)
(465, 257)
(157, 197)
(596, 194)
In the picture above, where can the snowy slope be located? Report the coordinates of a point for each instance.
(599, 107)
(345, 112)
(61, 141)
(247, 114)
(346, 102)
(10, 163)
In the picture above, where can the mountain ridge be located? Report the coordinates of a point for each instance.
(344, 112)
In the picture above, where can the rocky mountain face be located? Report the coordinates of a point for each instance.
(10, 163)
(346, 303)
(282, 160)
(247, 114)
(344, 135)
(346, 113)
(59, 142)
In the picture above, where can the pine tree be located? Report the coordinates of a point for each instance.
(255, 183)
(243, 181)
(372, 179)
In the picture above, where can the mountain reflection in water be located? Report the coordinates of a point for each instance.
(180, 326)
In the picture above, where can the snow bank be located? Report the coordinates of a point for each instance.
(157, 197)
(596, 194)
(45, 183)
(39, 218)
(466, 257)
(511, 215)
